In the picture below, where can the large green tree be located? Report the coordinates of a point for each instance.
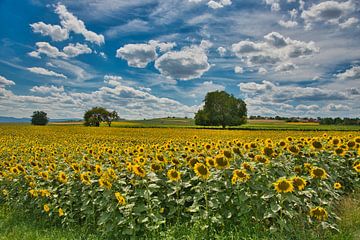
(221, 109)
(96, 115)
(39, 118)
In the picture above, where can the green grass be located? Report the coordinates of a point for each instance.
(15, 224)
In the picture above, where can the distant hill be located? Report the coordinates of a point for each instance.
(28, 120)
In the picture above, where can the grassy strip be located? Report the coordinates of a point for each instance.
(15, 225)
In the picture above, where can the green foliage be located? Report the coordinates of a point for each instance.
(96, 115)
(221, 109)
(39, 118)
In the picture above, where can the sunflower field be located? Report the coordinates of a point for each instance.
(126, 182)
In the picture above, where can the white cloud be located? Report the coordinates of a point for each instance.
(73, 50)
(201, 89)
(222, 51)
(285, 67)
(43, 71)
(47, 89)
(188, 63)
(137, 55)
(5, 82)
(337, 107)
(330, 12)
(275, 5)
(238, 70)
(112, 80)
(131, 27)
(307, 108)
(351, 73)
(288, 24)
(72, 23)
(56, 32)
(349, 22)
(140, 55)
(275, 50)
(46, 49)
(262, 71)
(214, 4)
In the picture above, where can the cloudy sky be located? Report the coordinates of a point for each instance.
(158, 58)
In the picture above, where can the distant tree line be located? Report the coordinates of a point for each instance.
(322, 121)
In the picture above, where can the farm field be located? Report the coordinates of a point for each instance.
(134, 182)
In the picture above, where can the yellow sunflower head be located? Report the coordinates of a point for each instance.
(120, 198)
(319, 213)
(298, 183)
(317, 172)
(139, 170)
(202, 171)
(221, 162)
(337, 185)
(284, 185)
(174, 175)
(62, 177)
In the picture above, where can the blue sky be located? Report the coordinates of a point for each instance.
(158, 58)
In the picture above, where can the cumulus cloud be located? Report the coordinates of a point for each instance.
(73, 50)
(69, 51)
(47, 89)
(5, 82)
(285, 67)
(276, 93)
(262, 71)
(46, 72)
(276, 49)
(140, 55)
(330, 12)
(188, 63)
(288, 24)
(307, 108)
(112, 80)
(72, 23)
(221, 51)
(238, 70)
(56, 32)
(337, 107)
(275, 5)
(351, 73)
(214, 4)
(46, 49)
(349, 22)
(201, 89)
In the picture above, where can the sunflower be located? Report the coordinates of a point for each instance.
(357, 168)
(14, 170)
(227, 154)
(339, 151)
(294, 149)
(105, 183)
(61, 212)
(261, 159)
(46, 208)
(337, 185)
(319, 213)
(75, 167)
(155, 167)
(44, 175)
(317, 172)
(120, 198)
(85, 178)
(221, 162)
(62, 177)
(268, 151)
(247, 166)
(240, 175)
(202, 171)
(298, 169)
(317, 145)
(98, 170)
(174, 175)
(351, 144)
(210, 162)
(298, 183)
(284, 185)
(138, 170)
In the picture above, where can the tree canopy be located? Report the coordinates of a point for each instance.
(96, 115)
(39, 118)
(221, 109)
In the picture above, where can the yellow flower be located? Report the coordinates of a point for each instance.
(138, 170)
(61, 212)
(299, 183)
(62, 177)
(221, 162)
(174, 175)
(46, 208)
(357, 168)
(317, 172)
(121, 200)
(105, 183)
(85, 178)
(202, 171)
(319, 213)
(337, 185)
(284, 185)
(75, 167)
(240, 176)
